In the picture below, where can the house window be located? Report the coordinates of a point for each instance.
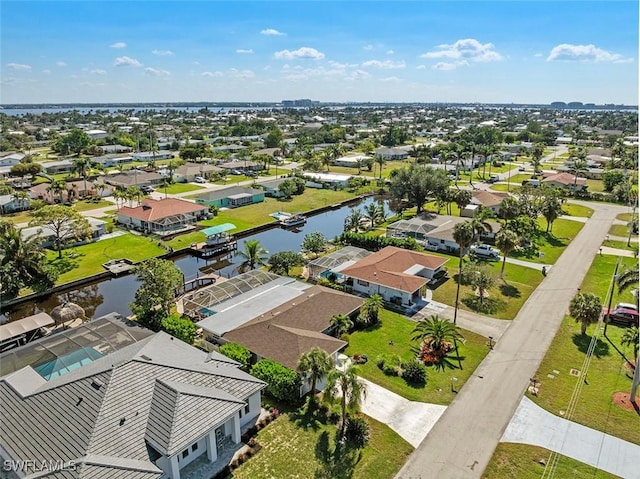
(194, 447)
(185, 453)
(363, 283)
(246, 409)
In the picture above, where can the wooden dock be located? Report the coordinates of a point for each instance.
(203, 250)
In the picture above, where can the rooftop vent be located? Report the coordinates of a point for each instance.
(96, 384)
(145, 357)
(122, 420)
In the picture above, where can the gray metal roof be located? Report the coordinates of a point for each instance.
(99, 412)
(336, 258)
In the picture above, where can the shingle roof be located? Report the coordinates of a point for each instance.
(102, 410)
(565, 179)
(387, 267)
(488, 198)
(154, 210)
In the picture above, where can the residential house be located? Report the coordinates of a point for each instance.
(152, 155)
(167, 215)
(322, 180)
(490, 200)
(112, 160)
(334, 262)
(68, 233)
(231, 197)
(189, 171)
(392, 153)
(400, 276)
(56, 167)
(272, 187)
(11, 204)
(565, 180)
(273, 316)
(9, 158)
(241, 165)
(133, 178)
(115, 400)
(115, 149)
(97, 134)
(351, 161)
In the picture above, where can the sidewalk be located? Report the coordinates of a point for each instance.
(533, 425)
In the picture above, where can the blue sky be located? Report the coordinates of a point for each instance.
(423, 51)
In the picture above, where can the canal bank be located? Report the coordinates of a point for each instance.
(103, 293)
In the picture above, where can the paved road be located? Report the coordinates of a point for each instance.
(462, 442)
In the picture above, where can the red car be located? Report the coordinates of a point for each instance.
(624, 315)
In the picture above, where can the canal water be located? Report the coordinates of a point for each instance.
(115, 294)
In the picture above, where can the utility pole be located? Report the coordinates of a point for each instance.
(633, 217)
(611, 290)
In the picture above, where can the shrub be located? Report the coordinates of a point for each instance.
(414, 372)
(357, 432)
(380, 360)
(181, 328)
(237, 353)
(282, 383)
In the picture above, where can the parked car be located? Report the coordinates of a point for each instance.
(493, 179)
(146, 189)
(484, 251)
(235, 172)
(522, 168)
(199, 179)
(623, 315)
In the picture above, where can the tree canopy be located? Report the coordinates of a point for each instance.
(417, 183)
(65, 223)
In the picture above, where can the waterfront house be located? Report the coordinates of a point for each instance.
(116, 400)
(231, 197)
(68, 233)
(167, 215)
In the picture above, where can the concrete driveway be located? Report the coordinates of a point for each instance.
(411, 420)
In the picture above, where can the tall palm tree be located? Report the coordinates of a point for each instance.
(342, 324)
(630, 339)
(536, 156)
(82, 166)
(314, 365)
(354, 221)
(379, 159)
(372, 213)
(463, 234)
(435, 331)
(506, 241)
(585, 308)
(344, 386)
(480, 223)
(57, 187)
(551, 209)
(370, 310)
(578, 164)
(254, 255)
(510, 208)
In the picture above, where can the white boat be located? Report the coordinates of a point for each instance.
(293, 220)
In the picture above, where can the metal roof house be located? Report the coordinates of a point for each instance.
(112, 400)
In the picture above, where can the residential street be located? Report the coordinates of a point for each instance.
(461, 443)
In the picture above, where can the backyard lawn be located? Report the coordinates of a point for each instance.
(595, 186)
(522, 461)
(295, 447)
(607, 374)
(85, 260)
(577, 210)
(393, 338)
(505, 298)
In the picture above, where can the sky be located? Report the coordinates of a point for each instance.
(344, 51)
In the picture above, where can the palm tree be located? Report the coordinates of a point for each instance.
(536, 156)
(627, 279)
(314, 365)
(578, 165)
(327, 158)
(344, 386)
(551, 209)
(342, 324)
(463, 234)
(380, 160)
(510, 208)
(507, 241)
(480, 224)
(630, 339)
(434, 332)
(374, 214)
(585, 309)
(371, 308)
(354, 221)
(82, 166)
(254, 255)
(20, 197)
(57, 187)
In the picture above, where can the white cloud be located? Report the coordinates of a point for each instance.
(386, 64)
(98, 71)
(272, 32)
(390, 52)
(118, 45)
(538, 55)
(91, 84)
(368, 48)
(212, 74)
(156, 72)
(244, 51)
(449, 65)
(391, 79)
(61, 64)
(421, 67)
(162, 53)
(242, 74)
(46, 72)
(466, 49)
(584, 53)
(18, 66)
(127, 62)
(359, 75)
(339, 65)
(304, 53)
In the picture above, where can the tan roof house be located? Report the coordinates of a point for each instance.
(162, 216)
(566, 180)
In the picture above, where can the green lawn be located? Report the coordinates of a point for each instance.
(85, 260)
(505, 298)
(522, 461)
(624, 217)
(595, 185)
(621, 245)
(511, 187)
(290, 449)
(15, 218)
(577, 210)
(519, 178)
(397, 329)
(607, 373)
(179, 188)
(620, 230)
(553, 244)
(91, 205)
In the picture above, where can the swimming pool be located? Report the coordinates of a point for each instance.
(64, 364)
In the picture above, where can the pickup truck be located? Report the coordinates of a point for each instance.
(484, 251)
